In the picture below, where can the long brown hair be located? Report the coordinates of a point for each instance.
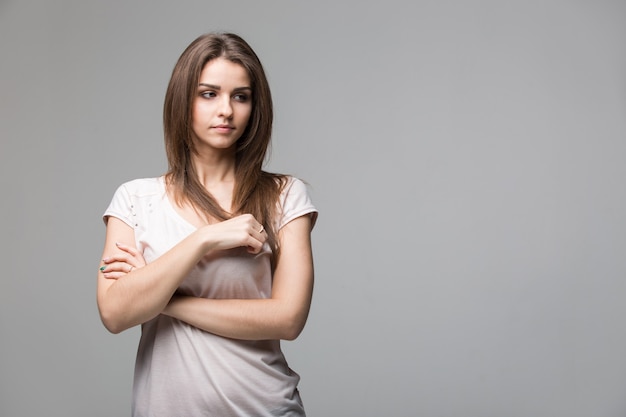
(256, 191)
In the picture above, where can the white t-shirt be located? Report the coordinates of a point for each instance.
(181, 370)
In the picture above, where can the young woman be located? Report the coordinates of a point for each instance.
(213, 259)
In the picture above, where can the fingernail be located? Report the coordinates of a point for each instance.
(117, 243)
(102, 268)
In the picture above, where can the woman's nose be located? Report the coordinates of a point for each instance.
(225, 107)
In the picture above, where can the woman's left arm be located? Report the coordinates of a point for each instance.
(282, 316)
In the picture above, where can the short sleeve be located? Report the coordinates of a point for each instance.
(296, 202)
(121, 206)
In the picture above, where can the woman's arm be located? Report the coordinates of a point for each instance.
(282, 316)
(129, 299)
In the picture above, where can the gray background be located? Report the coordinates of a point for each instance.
(467, 159)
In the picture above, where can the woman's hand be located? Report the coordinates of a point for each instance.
(243, 230)
(122, 263)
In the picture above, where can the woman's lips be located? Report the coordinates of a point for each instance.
(224, 128)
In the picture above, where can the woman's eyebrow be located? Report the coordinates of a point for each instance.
(214, 87)
(217, 87)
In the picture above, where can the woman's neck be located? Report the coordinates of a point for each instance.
(215, 170)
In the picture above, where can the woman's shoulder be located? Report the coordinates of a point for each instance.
(296, 200)
(143, 186)
(294, 185)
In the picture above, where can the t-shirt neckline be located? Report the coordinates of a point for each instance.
(170, 206)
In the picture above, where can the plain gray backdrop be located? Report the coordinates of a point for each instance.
(467, 159)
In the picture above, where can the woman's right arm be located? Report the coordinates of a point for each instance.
(143, 293)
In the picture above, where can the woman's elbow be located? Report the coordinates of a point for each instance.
(292, 327)
(291, 334)
(112, 325)
(111, 320)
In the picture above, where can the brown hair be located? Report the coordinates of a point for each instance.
(256, 191)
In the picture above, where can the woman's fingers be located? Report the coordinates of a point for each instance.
(256, 237)
(243, 230)
(118, 258)
(128, 249)
(116, 269)
(129, 255)
(256, 243)
(123, 262)
(136, 256)
(256, 230)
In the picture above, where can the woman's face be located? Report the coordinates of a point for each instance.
(222, 106)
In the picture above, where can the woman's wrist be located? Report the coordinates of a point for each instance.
(205, 238)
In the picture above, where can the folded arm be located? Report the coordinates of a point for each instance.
(282, 316)
(128, 299)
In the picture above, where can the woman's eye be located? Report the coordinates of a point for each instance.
(208, 94)
(241, 97)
